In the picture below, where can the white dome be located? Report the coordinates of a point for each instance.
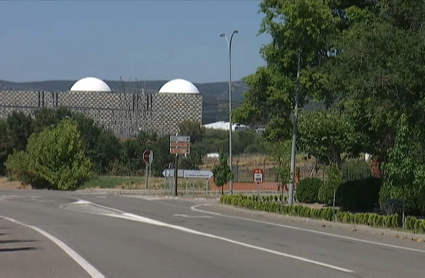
(90, 84)
(179, 86)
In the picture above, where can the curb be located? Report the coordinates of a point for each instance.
(324, 223)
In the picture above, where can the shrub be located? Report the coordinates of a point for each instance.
(360, 194)
(308, 190)
(326, 192)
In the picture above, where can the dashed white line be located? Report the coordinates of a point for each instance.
(194, 208)
(91, 270)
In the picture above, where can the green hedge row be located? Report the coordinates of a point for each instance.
(253, 202)
(370, 219)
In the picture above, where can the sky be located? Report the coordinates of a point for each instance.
(147, 40)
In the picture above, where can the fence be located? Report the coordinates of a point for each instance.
(350, 171)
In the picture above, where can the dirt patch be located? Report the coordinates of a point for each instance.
(6, 184)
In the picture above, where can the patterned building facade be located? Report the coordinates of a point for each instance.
(125, 113)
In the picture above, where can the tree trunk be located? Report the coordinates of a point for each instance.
(222, 190)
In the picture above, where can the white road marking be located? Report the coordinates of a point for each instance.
(192, 216)
(91, 270)
(137, 218)
(194, 208)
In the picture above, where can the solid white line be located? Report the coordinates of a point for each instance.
(133, 217)
(194, 208)
(91, 270)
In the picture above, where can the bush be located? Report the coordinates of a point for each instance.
(308, 190)
(360, 194)
(326, 194)
(326, 191)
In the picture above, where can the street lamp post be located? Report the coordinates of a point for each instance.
(229, 48)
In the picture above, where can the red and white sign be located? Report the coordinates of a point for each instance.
(258, 175)
(179, 151)
(148, 156)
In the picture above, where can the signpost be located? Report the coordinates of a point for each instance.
(258, 178)
(148, 158)
(178, 145)
(190, 174)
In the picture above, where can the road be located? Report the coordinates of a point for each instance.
(102, 235)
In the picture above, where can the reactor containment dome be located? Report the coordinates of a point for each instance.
(178, 86)
(90, 84)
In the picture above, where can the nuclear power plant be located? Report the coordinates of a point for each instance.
(126, 111)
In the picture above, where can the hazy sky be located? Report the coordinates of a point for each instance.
(51, 40)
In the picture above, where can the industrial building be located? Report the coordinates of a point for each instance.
(126, 111)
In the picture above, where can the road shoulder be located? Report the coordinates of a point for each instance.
(26, 253)
(324, 224)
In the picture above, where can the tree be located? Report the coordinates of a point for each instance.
(376, 73)
(6, 145)
(404, 172)
(327, 192)
(19, 128)
(45, 117)
(55, 155)
(222, 172)
(193, 129)
(300, 32)
(329, 136)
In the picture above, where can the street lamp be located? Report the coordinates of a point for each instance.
(229, 48)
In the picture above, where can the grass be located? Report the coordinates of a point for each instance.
(155, 183)
(110, 182)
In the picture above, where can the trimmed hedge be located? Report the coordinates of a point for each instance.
(269, 204)
(308, 190)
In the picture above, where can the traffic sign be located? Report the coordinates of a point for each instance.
(197, 174)
(148, 156)
(179, 151)
(179, 145)
(179, 138)
(169, 173)
(258, 175)
(188, 174)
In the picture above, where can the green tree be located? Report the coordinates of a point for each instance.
(46, 117)
(300, 32)
(193, 129)
(19, 128)
(55, 155)
(403, 178)
(222, 172)
(328, 190)
(377, 72)
(6, 145)
(329, 136)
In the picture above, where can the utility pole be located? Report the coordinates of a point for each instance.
(229, 49)
(294, 133)
(176, 171)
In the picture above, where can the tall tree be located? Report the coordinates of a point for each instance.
(404, 171)
(377, 72)
(300, 32)
(19, 127)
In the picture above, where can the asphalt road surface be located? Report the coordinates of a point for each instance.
(72, 234)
